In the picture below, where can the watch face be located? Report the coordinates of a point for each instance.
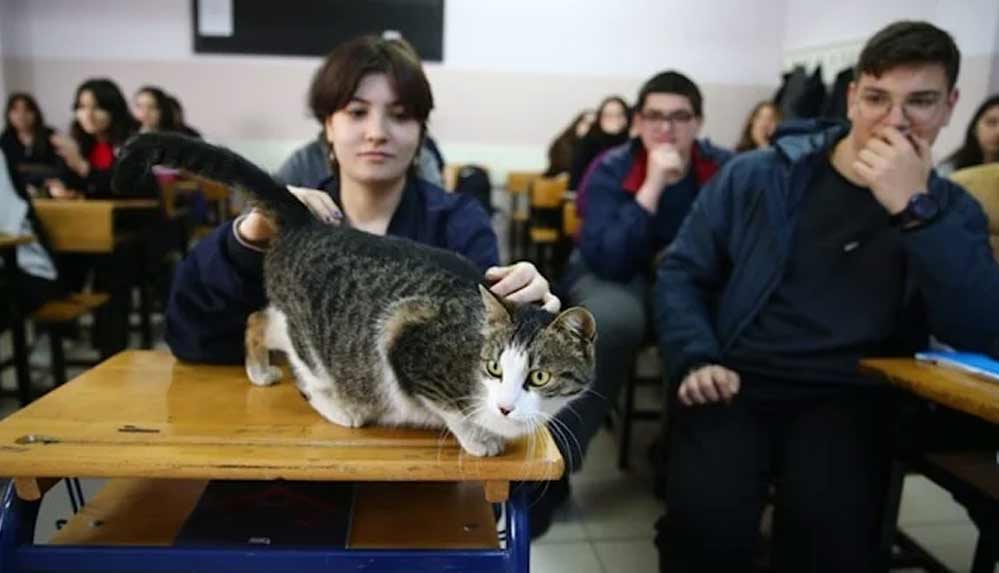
(923, 206)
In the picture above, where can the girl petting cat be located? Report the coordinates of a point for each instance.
(377, 330)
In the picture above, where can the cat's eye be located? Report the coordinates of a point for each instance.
(493, 368)
(539, 377)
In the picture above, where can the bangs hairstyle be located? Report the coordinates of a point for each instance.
(906, 43)
(337, 79)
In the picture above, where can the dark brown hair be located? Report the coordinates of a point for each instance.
(746, 142)
(970, 153)
(672, 82)
(337, 78)
(39, 130)
(907, 42)
(110, 99)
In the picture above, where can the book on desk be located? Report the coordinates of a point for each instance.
(977, 364)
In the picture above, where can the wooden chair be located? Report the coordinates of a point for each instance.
(518, 185)
(982, 182)
(629, 413)
(56, 315)
(571, 222)
(544, 229)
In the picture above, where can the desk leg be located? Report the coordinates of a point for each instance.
(21, 370)
(518, 534)
(145, 304)
(17, 526)
(889, 519)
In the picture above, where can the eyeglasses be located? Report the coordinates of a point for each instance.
(917, 107)
(676, 118)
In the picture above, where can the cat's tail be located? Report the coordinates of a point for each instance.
(143, 151)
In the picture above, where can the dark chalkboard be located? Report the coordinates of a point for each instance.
(314, 27)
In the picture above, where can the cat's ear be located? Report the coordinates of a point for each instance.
(496, 311)
(578, 321)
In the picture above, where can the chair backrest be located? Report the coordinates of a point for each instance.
(474, 180)
(982, 181)
(549, 192)
(520, 181)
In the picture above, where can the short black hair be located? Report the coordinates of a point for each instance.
(337, 78)
(909, 42)
(671, 82)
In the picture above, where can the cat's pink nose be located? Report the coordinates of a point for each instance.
(505, 411)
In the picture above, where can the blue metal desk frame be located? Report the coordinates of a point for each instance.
(19, 554)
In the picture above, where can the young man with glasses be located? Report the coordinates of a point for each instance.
(633, 199)
(838, 243)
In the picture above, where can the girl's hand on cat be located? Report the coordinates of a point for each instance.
(521, 283)
(320, 204)
(256, 228)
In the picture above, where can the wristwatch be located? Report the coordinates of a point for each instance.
(921, 209)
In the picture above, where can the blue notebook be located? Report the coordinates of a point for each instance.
(969, 362)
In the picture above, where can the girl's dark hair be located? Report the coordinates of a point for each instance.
(746, 142)
(970, 153)
(168, 118)
(110, 99)
(337, 78)
(40, 131)
(562, 149)
(596, 129)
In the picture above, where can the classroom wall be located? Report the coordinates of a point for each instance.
(514, 72)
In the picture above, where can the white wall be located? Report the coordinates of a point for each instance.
(716, 40)
(515, 71)
(816, 24)
(3, 75)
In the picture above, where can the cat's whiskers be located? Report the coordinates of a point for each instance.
(595, 393)
(565, 433)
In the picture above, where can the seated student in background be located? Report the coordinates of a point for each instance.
(37, 278)
(151, 108)
(759, 128)
(31, 157)
(180, 124)
(637, 195)
(563, 149)
(610, 129)
(309, 165)
(839, 243)
(101, 124)
(373, 101)
(981, 141)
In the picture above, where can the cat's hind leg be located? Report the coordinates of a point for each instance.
(319, 389)
(258, 363)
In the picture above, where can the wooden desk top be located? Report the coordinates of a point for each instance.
(145, 414)
(952, 388)
(85, 226)
(8, 241)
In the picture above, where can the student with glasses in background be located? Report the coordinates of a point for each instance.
(633, 199)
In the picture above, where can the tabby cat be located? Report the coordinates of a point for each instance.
(383, 330)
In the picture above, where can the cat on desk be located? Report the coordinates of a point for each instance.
(384, 330)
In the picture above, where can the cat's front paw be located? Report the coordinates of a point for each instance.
(260, 376)
(483, 446)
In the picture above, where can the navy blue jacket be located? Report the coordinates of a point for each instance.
(620, 238)
(732, 251)
(221, 282)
